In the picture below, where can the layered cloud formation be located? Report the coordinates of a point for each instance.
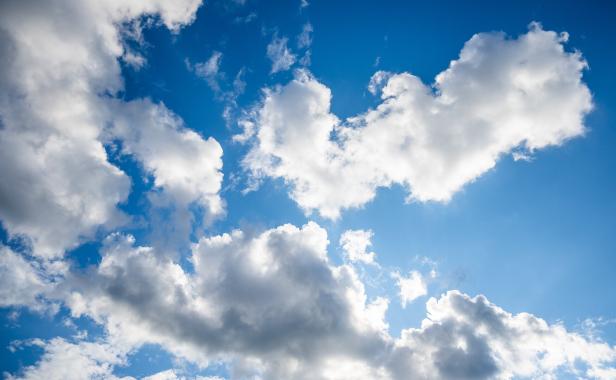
(272, 304)
(501, 96)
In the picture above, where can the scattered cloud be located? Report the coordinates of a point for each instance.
(355, 244)
(216, 79)
(411, 287)
(278, 52)
(250, 17)
(304, 40)
(134, 59)
(268, 304)
(209, 70)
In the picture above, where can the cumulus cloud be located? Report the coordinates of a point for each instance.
(272, 305)
(279, 53)
(273, 298)
(60, 71)
(502, 95)
(355, 244)
(471, 338)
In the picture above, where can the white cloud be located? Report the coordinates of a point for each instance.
(133, 59)
(355, 244)
(273, 297)
(211, 67)
(59, 74)
(411, 287)
(277, 51)
(65, 360)
(181, 161)
(209, 70)
(502, 95)
(21, 283)
(271, 305)
(378, 80)
(471, 338)
(187, 168)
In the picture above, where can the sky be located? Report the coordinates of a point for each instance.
(307, 189)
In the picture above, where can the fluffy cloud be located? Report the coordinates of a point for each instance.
(471, 338)
(58, 75)
(501, 96)
(272, 305)
(272, 298)
(187, 169)
(278, 52)
(355, 244)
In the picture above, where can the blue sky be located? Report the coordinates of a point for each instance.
(533, 235)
